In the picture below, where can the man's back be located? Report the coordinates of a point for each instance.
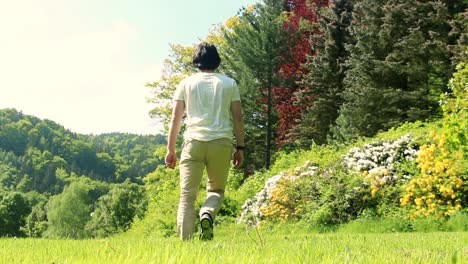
(208, 98)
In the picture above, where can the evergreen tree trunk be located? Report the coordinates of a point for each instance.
(257, 43)
(269, 120)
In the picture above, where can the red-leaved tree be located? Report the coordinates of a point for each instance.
(300, 18)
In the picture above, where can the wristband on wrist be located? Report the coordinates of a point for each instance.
(240, 147)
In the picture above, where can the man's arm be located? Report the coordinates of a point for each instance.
(174, 128)
(238, 124)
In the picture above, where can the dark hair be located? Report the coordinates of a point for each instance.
(206, 57)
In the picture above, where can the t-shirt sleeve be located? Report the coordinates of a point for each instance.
(179, 94)
(235, 95)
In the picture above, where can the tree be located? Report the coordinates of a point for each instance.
(69, 212)
(397, 66)
(257, 46)
(458, 37)
(116, 210)
(176, 67)
(300, 21)
(36, 221)
(13, 211)
(322, 86)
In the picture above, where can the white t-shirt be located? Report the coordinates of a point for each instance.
(207, 98)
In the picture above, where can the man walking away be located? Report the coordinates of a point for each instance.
(211, 103)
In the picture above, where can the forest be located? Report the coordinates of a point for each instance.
(354, 109)
(48, 173)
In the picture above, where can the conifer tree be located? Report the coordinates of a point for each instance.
(323, 85)
(398, 65)
(256, 44)
(458, 37)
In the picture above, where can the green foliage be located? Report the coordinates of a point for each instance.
(256, 47)
(323, 83)
(457, 223)
(116, 210)
(14, 208)
(398, 65)
(69, 212)
(162, 187)
(36, 222)
(439, 189)
(337, 192)
(455, 107)
(40, 156)
(458, 37)
(46, 146)
(125, 156)
(250, 187)
(176, 67)
(329, 198)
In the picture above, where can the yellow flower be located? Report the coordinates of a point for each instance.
(418, 201)
(232, 21)
(250, 8)
(439, 167)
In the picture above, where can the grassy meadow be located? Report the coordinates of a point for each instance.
(232, 244)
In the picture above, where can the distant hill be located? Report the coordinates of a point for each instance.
(36, 154)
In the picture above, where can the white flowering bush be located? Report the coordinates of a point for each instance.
(380, 161)
(253, 209)
(365, 178)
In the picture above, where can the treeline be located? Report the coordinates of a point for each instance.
(48, 173)
(324, 71)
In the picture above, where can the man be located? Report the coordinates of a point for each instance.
(210, 100)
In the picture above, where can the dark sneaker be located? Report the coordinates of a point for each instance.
(206, 223)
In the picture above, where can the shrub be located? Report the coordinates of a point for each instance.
(366, 179)
(440, 188)
(271, 201)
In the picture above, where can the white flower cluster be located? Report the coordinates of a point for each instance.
(252, 209)
(378, 159)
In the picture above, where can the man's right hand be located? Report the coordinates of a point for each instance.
(171, 159)
(238, 158)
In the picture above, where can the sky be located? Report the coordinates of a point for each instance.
(84, 64)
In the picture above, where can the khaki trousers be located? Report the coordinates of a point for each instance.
(215, 156)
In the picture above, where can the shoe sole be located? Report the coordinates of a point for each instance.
(207, 229)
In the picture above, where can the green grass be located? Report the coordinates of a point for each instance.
(288, 244)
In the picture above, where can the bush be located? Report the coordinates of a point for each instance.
(340, 187)
(440, 188)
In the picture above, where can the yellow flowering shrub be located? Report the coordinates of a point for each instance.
(376, 179)
(232, 22)
(439, 188)
(281, 206)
